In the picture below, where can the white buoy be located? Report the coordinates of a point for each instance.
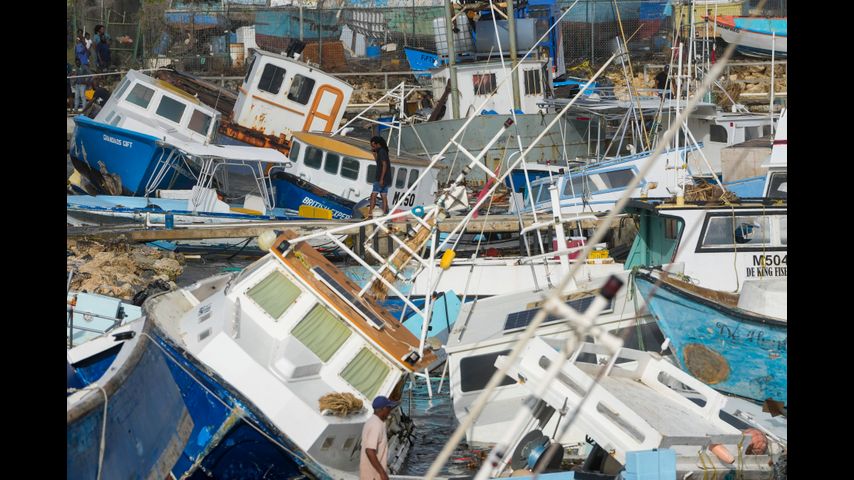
(266, 240)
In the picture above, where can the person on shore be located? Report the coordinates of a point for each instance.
(373, 461)
(383, 179)
(101, 41)
(80, 83)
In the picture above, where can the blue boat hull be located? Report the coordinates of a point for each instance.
(730, 349)
(147, 423)
(225, 442)
(131, 155)
(292, 193)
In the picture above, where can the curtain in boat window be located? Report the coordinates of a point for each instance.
(274, 294)
(322, 332)
(366, 373)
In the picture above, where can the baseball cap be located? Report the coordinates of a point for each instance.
(382, 401)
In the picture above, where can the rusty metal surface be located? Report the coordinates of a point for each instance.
(705, 364)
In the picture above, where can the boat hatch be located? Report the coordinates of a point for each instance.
(352, 300)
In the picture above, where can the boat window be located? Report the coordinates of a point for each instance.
(717, 133)
(322, 332)
(332, 163)
(274, 294)
(784, 229)
(543, 195)
(293, 153)
(271, 79)
(728, 230)
(400, 180)
(483, 84)
(371, 176)
(350, 168)
(576, 186)
(200, 122)
(533, 85)
(249, 65)
(777, 185)
(313, 157)
(366, 373)
(413, 176)
(617, 178)
(140, 95)
(671, 228)
(766, 130)
(476, 370)
(301, 88)
(122, 88)
(116, 120)
(752, 132)
(171, 109)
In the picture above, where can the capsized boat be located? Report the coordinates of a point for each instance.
(260, 352)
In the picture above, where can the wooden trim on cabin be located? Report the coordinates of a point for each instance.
(279, 105)
(330, 119)
(394, 339)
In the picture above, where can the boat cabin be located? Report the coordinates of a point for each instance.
(345, 166)
(597, 187)
(150, 106)
(281, 95)
(751, 238)
(718, 131)
(476, 81)
(285, 332)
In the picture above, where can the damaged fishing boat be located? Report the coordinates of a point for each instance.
(125, 415)
(264, 356)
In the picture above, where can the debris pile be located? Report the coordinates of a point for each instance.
(119, 270)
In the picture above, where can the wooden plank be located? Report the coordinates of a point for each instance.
(133, 233)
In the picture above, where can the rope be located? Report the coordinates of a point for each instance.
(111, 73)
(739, 467)
(103, 423)
(703, 463)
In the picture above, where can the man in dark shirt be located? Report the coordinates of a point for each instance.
(383, 179)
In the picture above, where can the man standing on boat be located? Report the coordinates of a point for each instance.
(380, 149)
(373, 462)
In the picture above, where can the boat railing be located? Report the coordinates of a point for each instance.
(172, 162)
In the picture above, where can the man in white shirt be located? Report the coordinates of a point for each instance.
(373, 462)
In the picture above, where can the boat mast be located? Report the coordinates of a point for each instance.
(452, 61)
(511, 28)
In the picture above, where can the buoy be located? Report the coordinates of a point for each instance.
(266, 240)
(447, 258)
(722, 453)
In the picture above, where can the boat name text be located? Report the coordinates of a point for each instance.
(117, 141)
(407, 202)
(751, 335)
(314, 203)
(768, 266)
